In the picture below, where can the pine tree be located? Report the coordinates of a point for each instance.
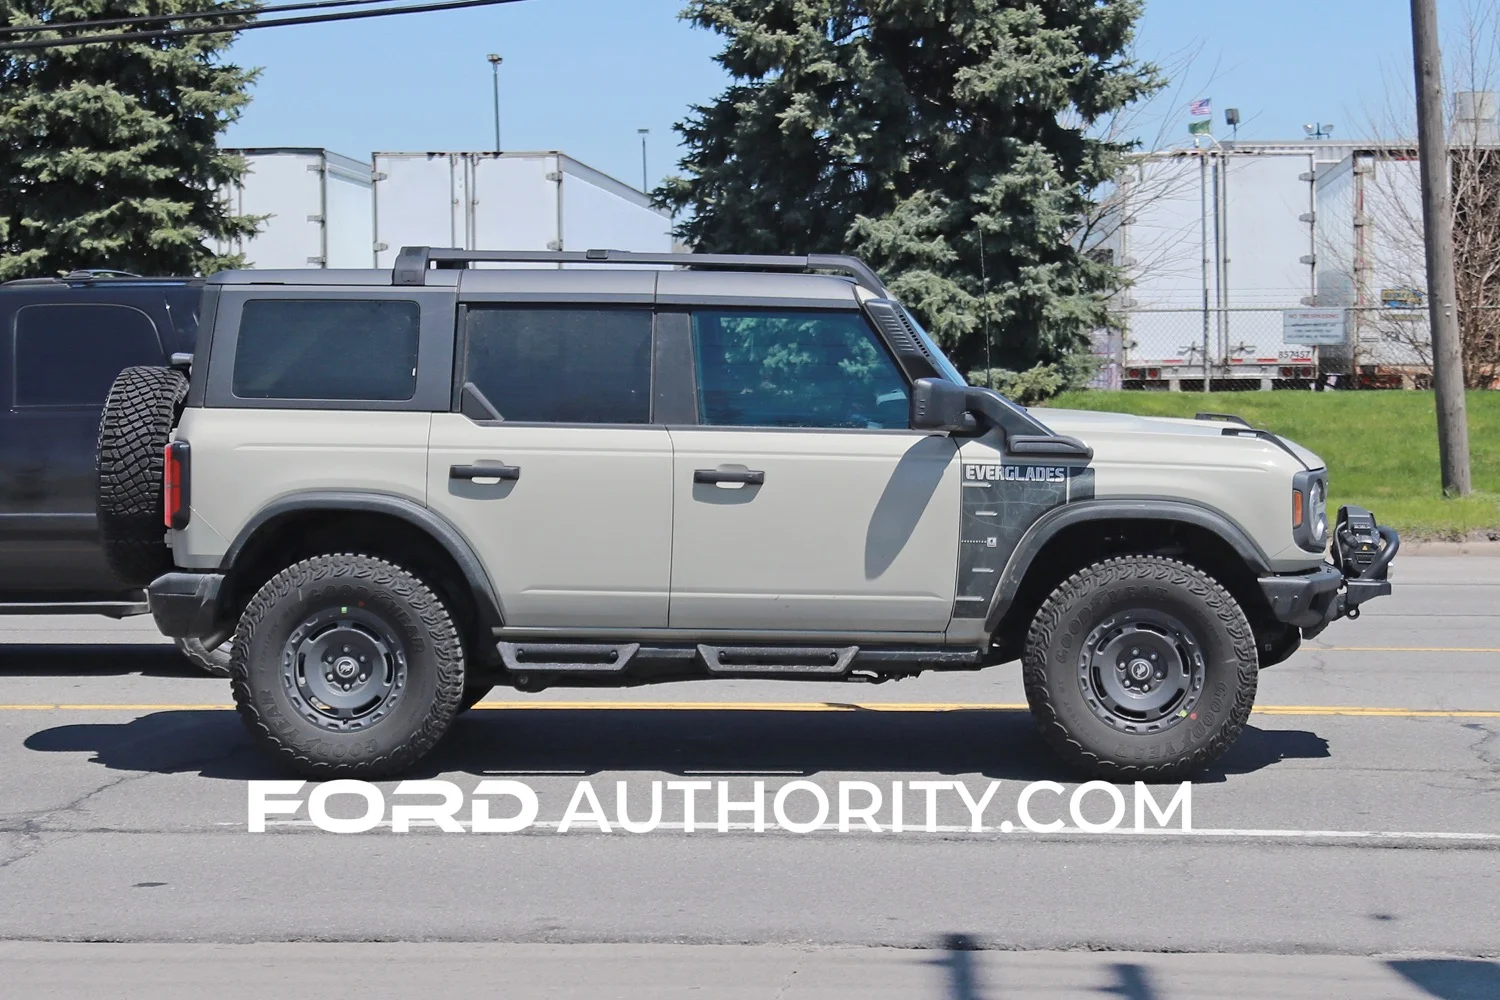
(921, 135)
(107, 152)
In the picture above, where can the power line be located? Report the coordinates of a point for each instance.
(174, 33)
(203, 15)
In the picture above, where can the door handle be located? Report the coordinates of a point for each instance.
(748, 477)
(471, 472)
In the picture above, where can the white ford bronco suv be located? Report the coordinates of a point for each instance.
(394, 489)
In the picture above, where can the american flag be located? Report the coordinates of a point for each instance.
(1201, 108)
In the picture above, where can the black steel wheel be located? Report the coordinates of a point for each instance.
(347, 666)
(1140, 667)
(1141, 671)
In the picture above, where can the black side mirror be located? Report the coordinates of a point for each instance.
(939, 405)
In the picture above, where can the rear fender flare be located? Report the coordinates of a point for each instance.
(436, 527)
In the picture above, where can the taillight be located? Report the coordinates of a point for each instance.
(175, 500)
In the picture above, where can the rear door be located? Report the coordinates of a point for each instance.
(566, 489)
(62, 357)
(804, 502)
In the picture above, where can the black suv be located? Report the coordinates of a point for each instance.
(66, 341)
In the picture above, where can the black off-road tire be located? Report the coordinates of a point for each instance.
(1059, 694)
(142, 405)
(214, 662)
(408, 616)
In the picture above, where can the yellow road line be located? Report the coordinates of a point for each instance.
(797, 706)
(1400, 649)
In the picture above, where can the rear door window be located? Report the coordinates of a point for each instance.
(69, 355)
(344, 349)
(562, 365)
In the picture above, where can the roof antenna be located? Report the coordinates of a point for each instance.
(984, 286)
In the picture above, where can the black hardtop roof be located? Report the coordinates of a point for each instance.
(619, 275)
(99, 278)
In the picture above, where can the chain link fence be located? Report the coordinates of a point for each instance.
(1246, 348)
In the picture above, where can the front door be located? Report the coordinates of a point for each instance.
(803, 501)
(566, 493)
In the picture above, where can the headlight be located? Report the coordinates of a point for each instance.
(1310, 510)
(1318, 512)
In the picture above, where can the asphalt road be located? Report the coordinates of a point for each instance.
(1348, 845)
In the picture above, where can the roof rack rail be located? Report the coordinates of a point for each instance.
(89, 273)
(412, 263)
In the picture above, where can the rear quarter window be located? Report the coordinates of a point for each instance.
(343, 349)
(69, 354)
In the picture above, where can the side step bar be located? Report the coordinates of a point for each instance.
(571, 658)
(777, 661)
(601, 661)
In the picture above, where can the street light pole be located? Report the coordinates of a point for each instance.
(1442, 281)
(495, 62)
(643, 132)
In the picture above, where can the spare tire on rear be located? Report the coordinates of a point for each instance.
(138, 416)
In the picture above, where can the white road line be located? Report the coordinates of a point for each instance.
(1248, 834)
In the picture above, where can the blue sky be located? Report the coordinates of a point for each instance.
(583, 75)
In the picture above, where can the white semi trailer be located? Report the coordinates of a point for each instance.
(317, 209)
(1372, 259)
(1218, 244)
(508, 201)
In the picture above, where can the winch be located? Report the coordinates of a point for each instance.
(1363, 551)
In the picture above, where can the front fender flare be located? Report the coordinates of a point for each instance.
(1116, 509)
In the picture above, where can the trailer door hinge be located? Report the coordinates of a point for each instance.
(380, 176)
(554, 244)
(381, 247)
(555, 175)
(1309, 259)
(319, 261)
(314, 218)
(1308, 217)
(1307, 176)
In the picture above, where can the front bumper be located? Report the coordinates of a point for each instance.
(1313, 601)
(185, 605)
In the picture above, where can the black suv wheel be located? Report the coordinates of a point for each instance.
(1140, 668)
(347, 666)
(214, 662)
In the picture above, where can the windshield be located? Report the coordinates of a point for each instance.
(939, 358)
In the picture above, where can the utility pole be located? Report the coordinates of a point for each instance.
(495, 62)
(643, 132)
(1442, 282)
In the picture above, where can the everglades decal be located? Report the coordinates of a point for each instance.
(1001, 500)
(976, 471)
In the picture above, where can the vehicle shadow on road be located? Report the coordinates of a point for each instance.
(1001, 744)
(1452, 978)
(996, 744)
(156, 659)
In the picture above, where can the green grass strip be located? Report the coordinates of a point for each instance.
(1381, 447)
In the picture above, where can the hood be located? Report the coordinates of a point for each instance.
(1104, 431)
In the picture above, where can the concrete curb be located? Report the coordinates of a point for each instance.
(1474, 548)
